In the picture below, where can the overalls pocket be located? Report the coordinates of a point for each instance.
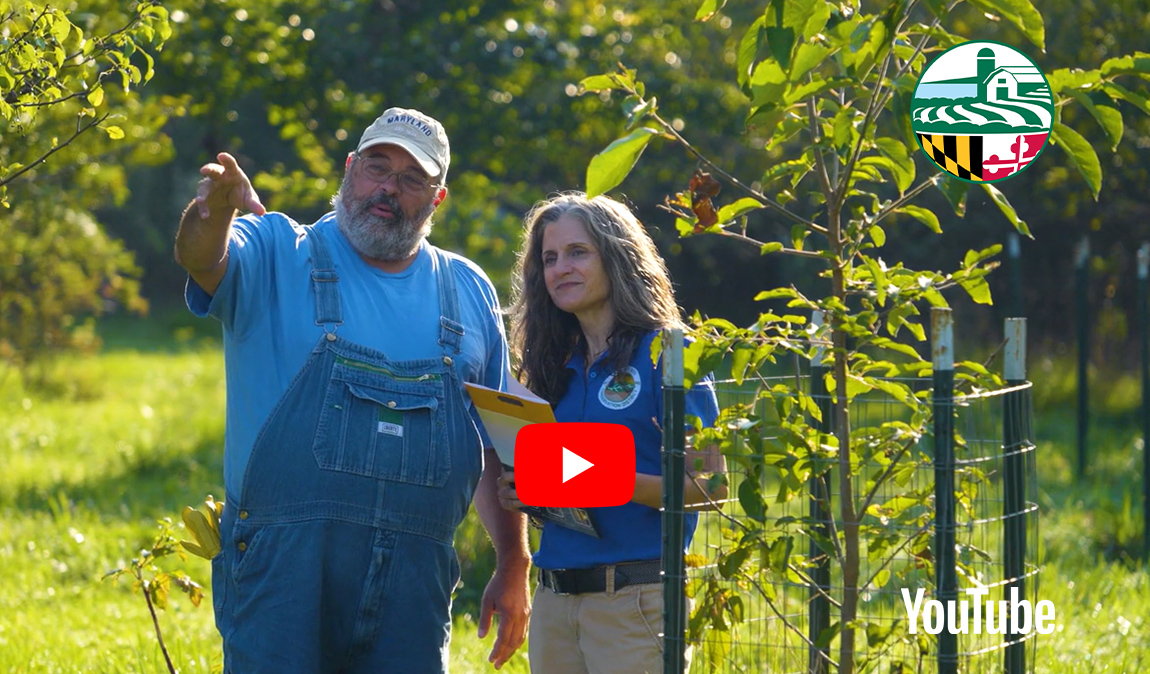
(388, 431)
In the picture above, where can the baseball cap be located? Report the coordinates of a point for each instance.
(415, 132)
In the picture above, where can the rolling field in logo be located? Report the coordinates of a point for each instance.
(982, 111)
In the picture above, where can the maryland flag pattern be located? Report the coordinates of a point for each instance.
(959, 156)
(982, 158)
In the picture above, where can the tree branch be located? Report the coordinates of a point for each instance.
(906, 198)
(156, 624)
(49, 153)
(788, 251)
(758, 196)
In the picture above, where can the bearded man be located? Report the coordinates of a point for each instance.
(351, 449)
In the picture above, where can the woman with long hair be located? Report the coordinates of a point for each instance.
(591, 293)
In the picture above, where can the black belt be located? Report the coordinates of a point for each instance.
(584, 581)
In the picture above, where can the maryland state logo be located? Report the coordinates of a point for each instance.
(621, 389)
(982, 111)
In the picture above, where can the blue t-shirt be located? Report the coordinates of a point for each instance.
(267, 307)
(634, 398)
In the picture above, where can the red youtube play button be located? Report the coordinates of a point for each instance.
(583, 465)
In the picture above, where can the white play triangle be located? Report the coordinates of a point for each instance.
(573, 464)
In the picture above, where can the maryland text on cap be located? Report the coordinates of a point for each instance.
(415, 132)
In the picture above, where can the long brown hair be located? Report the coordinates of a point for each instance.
(543, 336)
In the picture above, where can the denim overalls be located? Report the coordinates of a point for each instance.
(338, 555)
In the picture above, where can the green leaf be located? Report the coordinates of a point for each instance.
(730, 562)
(708, 9)
(1067, 79)
(772, 247)
(878, 236)
(96, 97)
(608, 168)
(737, 209)
(923, 215)
(700, 358)
(903, 162)
(114, 132)
(1081, 154)
(878, 277)
(844, 132)
(1020, 14)
(817, 86)
(781, 41)
(901, 106)
(1109, 118)
(1003, 205)
(597, 83)
(749, 48)
(59, 26)
(799, 234)
(1137, 63)
(787, 167)
(1117, 92)
(977, 288)
(808, 56)
(751, 499)
(768, 82)
(777, 293)
(955, 192)
(973, 257)
(741, 358)
(780, 553)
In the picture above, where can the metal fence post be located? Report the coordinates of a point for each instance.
(1015, 447)
(945, 575)
(1144, 326)
(674, 517)
(819, 608)
(1082, 319)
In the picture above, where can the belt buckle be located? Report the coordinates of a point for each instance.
(553, 585)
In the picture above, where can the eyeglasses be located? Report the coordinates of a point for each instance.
(379, 171)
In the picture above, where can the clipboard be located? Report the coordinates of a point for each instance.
(503, 414)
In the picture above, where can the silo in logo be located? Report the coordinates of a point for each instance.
(982, 111)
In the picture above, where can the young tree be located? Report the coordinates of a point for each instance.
(70, 122)
(828, 88)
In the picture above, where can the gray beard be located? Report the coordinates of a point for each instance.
(387, 239)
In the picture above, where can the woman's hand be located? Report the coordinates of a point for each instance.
(702, 465)
(506, 492)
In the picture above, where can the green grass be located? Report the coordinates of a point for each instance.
(116, 441)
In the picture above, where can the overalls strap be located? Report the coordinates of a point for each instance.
(325, 282)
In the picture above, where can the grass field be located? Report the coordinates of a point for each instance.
(114, 442)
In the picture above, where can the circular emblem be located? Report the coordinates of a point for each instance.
(982, 111)
(621, 389)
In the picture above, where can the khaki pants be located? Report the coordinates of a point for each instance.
(598, 633)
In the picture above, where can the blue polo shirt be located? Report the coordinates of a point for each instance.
(634, 398)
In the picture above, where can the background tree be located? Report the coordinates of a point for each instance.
(71, 118)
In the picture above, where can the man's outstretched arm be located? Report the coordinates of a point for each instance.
(202, 240)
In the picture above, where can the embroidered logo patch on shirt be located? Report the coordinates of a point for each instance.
(621, 389)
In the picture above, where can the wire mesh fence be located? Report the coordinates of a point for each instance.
(781, 613)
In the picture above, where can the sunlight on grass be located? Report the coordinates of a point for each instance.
(115, 442)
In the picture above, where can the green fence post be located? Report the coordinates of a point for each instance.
(1082, 319)
(819, 608)
(1144, 325)
(674, 517)
(945, 575)
(1015, 447)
